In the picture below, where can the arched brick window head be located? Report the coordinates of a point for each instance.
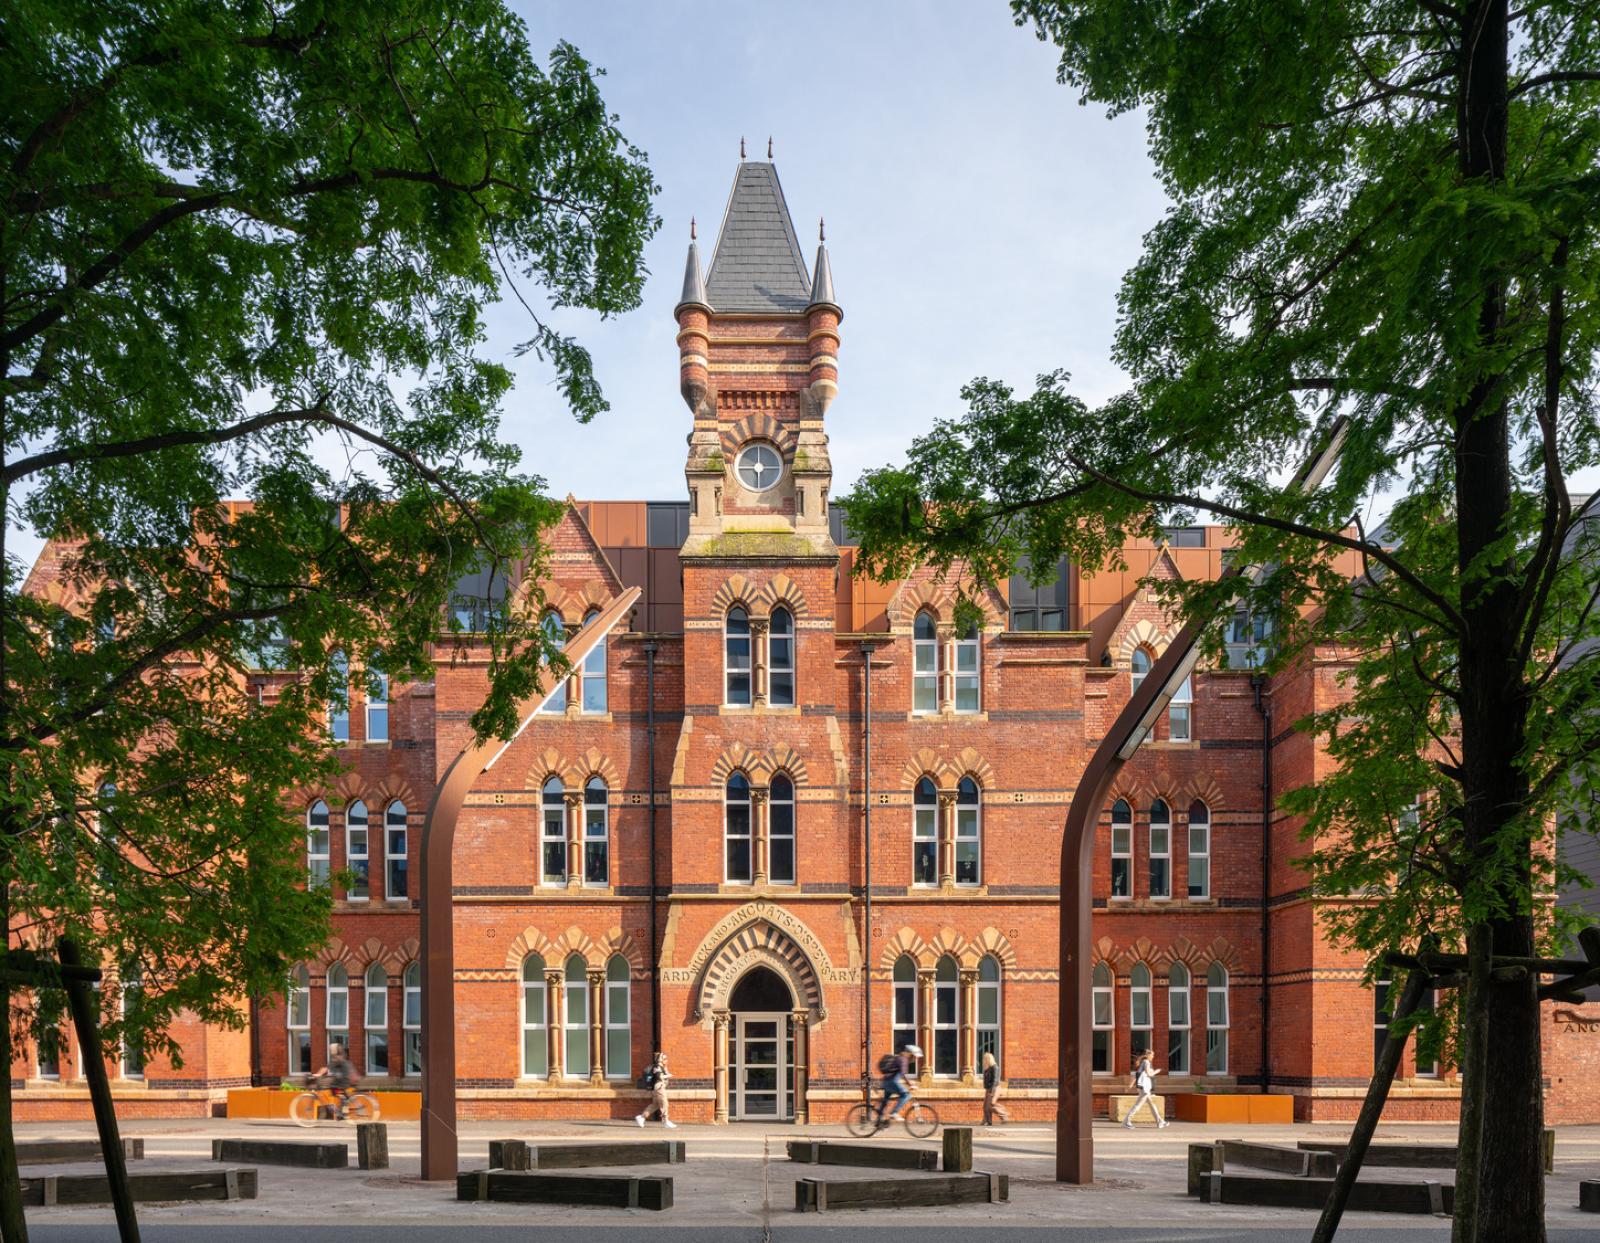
(736, 658)
(925, 664)
(780, 659)
(925, 833)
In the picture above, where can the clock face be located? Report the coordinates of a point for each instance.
(759, 467)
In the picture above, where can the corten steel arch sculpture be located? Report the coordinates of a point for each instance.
(438, 929)
(1074, 1077)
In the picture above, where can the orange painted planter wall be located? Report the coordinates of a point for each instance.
(1231, 1107)
(274, 1103)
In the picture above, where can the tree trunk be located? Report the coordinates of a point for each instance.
(13, 1226)
(1474, 1035)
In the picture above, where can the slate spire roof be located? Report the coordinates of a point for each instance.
(822, 284)
(757, 267)
(694, 286)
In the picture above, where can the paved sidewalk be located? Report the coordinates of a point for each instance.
(738, 1187)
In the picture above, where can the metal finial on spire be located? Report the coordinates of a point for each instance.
(822, 229)
(741, 146)
(691, 228)
(769, 146)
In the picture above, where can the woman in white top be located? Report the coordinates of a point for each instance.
(1144, 1079)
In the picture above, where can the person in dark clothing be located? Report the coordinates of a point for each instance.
(341, 1075)
(897, 1085)
(991, 1092)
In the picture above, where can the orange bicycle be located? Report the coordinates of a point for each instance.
(307, 1109)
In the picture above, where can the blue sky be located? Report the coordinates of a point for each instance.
(979, 219)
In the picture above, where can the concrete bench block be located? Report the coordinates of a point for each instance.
(877, 1156)
(311, 1156)
(604, 1190)
(816, 1195)
(1121, 1106)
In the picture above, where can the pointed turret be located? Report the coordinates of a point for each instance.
(694, 318)
(822, 320)
(822, 275)
(694, 284)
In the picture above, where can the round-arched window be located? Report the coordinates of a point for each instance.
(759, 467)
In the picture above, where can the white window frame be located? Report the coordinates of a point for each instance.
(593, 675)
(1382, 993)
(1180, 713)
(357, 850)
(297, 1020)
(1200, 832)
(730, 666)
(375, 1017)
(1103, 1012)
(1122, 850)
(1159, 863)
(339, 709)
(924, 828)
(319, 845)
(781, 808)
(1139, 665)
(575, 1031)
(555, 629)
(377, 700)
(1178, 1019)
(618, 997)
(553, 830)
(396, 833)
(534, 991)
(969, 831)
(1216, 1005)
(782, 648)
(130, 1058)
(989, 996)
(1141, 1006)
(924, 664)
(968, 672)
(946, 999)
(336, 1026)
(736, 796)
(411, 1020)
(597, 830)
(903, 996)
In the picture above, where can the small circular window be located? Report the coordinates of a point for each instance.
(759, 467)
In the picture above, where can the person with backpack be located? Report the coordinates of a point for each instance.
(992, 1107)
(655, 1078)
(1144, 1082)
(895, 1069)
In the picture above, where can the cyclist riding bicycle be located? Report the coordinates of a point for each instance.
(895, 1069)
(341, 1076)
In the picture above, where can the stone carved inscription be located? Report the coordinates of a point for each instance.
(749, 913)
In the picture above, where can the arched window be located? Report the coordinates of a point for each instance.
(594, 672)
(1178, 1020)
(1121, 849)
(780, 830)
(736, 656)
(356, 859)
(1180, 713)
(535, 1020)
(338, 1008)
(411, 1018)
(988, 1007)
(1199, 850)
(1104, 1018)
(339, 705)
(297, 1005)
(1217, 1020)
(596, 833)
(577, 999)
(780, 659)
(377, 1019)
(395, 848)
(969, 833)
(737, 839)
(619, 1027)
(105, 833)
(553, 832)
(318, 864)
(555, 631)
(1160, 850)
(905, 1002)
(968, 677)
(1140, 1018)
(925, 665)
(925, 833)
(377, 699)
(1141, 663)
(131, 1052)
(946, 1012)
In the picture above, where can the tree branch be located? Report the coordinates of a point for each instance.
(1561, 77)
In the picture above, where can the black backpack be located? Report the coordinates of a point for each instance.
(651, 1076)
(889, 1064)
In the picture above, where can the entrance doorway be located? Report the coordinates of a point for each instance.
(763, 1048)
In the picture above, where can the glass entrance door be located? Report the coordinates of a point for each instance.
(759, 1074)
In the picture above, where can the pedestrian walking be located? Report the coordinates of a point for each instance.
(991, 1092)
(1144, 1082)
(655, 1078)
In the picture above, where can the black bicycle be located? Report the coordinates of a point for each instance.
(921, 1120)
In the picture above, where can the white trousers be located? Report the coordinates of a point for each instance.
(1146, 1097)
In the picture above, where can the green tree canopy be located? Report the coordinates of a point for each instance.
(244, 256)
(1381, 212)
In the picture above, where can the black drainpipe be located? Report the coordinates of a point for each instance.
(650, 735)
(1256, 684)
(866, 866)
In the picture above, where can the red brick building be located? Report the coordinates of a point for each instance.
(705, 843)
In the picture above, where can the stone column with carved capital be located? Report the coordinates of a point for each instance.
(758, 829)
(947, 667)
(574, 838)
(758, 660)
(556, 1017)
(719, 1020)
(597, 1025)
(802, 1063)
(947, 839)
(969, 1023)
(925, 1023)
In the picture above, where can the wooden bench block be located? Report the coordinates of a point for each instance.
(877, 1156)
(958, 1150)
(1264, 1190)
(312, 1156)
(508, 1154)
(1589, 1195)
(577, 1156)
(1279, 1158)
(62, 1151)
(96, 1188)
(372, 1145)
(1391, 1156)
(604, 1190)
(1204, 1160)
(816, 1195)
